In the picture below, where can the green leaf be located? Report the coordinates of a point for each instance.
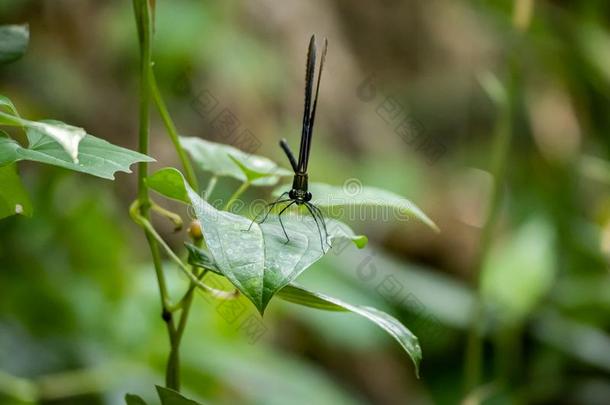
(169, 183)
(409, 342)
(97, 157)
(301, 296)
(13, 196)
(7, 104)
(256, 258)
(13, 42)
(226, 160)
(519, 272)
(277, 262)
(67, 136)
(132, 399)
(171, 397)
(353, 197)
(201, 257)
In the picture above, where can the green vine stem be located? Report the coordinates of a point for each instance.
(498, 170)
(145, 223)
(189, 174)
(504, 99)
(141, 209)
(144, 24)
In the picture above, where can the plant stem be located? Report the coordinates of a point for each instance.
(150, 230)
(210, 188)
(244, 186)
(144, 24)
(498, 169)
(172, 132)
(191, 178)
(522, 17)
(8, 119)
(188, 299)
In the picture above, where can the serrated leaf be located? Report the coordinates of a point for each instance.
(171, 397)
(133, 399)
(335, 200)
(14, 199)
(68, 136)
(97, 157)
(257, 258)
(226, 160)
(13, 42)
(409, 342)
(169, 183)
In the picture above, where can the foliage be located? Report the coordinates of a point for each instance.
(50, 142)
(527, 273)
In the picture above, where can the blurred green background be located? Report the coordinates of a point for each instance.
(79, 311)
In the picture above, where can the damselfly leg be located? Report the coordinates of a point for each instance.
(279, 217)
(315, 210)
(279, 200)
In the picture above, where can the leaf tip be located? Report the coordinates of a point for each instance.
(361, 241)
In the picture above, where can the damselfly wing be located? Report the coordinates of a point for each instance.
(299, 194)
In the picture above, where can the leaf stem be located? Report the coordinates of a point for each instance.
(10, 120)
(499, 159)
(244, 186)
(189, 174)
(187, 303)
(145, 223)
(172, 216)
(210, 188)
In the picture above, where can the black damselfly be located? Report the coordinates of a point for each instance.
(299, 194)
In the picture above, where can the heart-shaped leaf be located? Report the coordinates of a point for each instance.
(352, 197)
(97, 157)
(14, 198)
(13, 42)
(169, 183)
(257, 258)
(226, 160)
